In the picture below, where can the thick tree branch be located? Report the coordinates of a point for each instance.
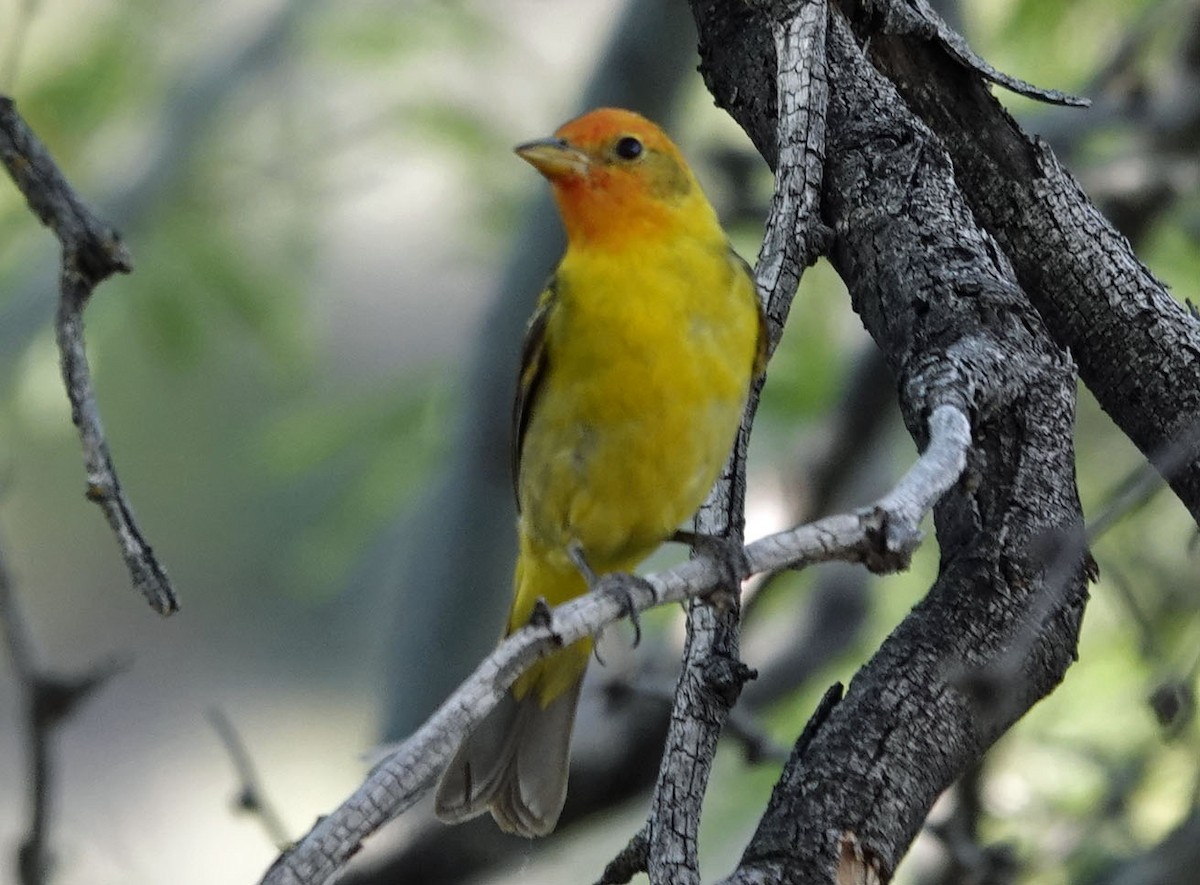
(943, 304)
(1138, 349)
(91, 252)
(881, 537)
(918, 19)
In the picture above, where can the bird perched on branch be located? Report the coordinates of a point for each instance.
(634, 374)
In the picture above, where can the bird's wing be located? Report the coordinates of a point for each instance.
(531, 376)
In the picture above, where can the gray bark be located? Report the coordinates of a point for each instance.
(942, 300)
(1138, 349)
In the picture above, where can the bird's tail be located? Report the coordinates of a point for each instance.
(515, 763)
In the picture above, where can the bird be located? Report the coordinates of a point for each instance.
(635, 370)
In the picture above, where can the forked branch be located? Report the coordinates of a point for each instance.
(882, 536)
(91, 253)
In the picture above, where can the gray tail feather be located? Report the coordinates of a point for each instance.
(515, 765)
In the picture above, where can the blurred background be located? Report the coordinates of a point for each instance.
(307, 382)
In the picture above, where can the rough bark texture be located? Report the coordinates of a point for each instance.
(713, 674)
(942, 301)
(882, 536)
(1138, 349)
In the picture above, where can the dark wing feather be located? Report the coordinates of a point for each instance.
(530, 377)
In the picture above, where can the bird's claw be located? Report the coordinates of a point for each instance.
(620, 586)
(616, 584)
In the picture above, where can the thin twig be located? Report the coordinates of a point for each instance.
(91, 252)
(881, 536)
(33, 855)
(712, 674)
(48, 700)
(251, 797)
(629, 861)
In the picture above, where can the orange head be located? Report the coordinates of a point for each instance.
(615, 176)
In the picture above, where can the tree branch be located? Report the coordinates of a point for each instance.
(191, 108)
(942, 302)
(882, 536)
(251, 797)
(91, 252)
(1138, 349)
(712, 673)
(49, 699)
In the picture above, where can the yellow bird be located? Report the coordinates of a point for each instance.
(635, 370)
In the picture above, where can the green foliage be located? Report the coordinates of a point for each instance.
(200, 280)
(96, 83)
(1171, 252)
(376, 36)
(1058, 44)
(819, 342)
(343, 470)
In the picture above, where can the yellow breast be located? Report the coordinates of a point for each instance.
(649, 361)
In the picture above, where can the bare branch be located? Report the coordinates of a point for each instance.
(918, 19)
(251, 798)
(942, 302)
(794, 235)
(712, 674)
(49, 699)
(91, 252)
(630, 860)
(878, 536)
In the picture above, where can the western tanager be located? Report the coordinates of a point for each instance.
(635, 370)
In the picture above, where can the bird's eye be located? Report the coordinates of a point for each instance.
(629, 148)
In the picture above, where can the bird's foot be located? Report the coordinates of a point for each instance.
(619, 585)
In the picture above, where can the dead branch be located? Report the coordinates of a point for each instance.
(91, 252)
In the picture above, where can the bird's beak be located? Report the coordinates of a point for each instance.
(554, 157)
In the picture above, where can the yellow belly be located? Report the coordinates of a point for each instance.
(648, 369)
